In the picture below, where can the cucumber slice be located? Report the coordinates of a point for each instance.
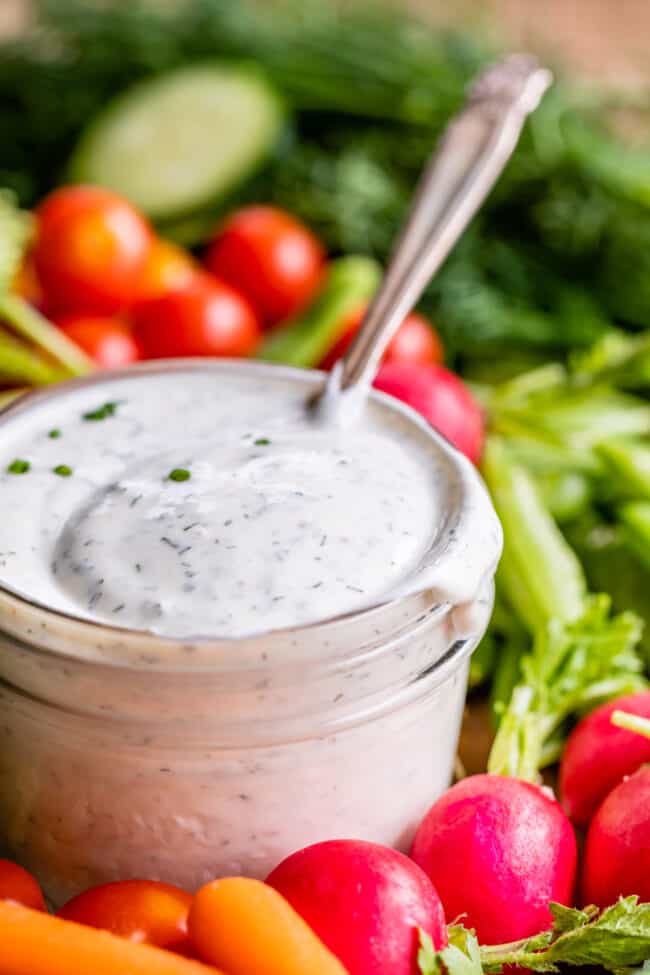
(176, 142)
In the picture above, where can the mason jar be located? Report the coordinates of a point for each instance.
(127, 754)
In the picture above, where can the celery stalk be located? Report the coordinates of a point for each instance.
(629, 462)
(20, 365)
(541, 576)
(32, 326)
(634, 518)
(305, 342)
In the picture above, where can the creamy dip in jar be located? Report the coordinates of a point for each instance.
(226, 631)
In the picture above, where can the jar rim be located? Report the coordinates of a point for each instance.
(19, 603)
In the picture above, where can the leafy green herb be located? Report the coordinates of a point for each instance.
(262, 442)
(462, 955)
(102, 412)
(179, 474)
(615, 939)
(62, 470)
(572, 667)
(18, 466)
(54, 434)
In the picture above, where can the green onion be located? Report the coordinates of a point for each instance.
(62, 470)
(19, 466)
(102, 412)
(179, 474)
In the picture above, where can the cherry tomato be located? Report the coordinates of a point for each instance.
(167, 268)
(90, 250)
(442, 398)
(270, 257)
(415, 341)
(208, 318)
(144, 911)
(106, 340)
(26, 283)
(19, 886)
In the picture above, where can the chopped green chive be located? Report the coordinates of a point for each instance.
(179, 474)
(102, 412)
(19, 466)
(62, 470)
(262, 442)
(54, 434)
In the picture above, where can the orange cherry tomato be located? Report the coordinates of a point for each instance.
(90, 250)
(416, 341)
(270, 257)
(108, 341)
(26, 283)
(167, 268)
(18, 886)
(208, 318)
(143, 911)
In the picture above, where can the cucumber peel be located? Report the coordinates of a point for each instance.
(175, 143)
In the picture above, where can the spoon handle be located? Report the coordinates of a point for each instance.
(473, 150)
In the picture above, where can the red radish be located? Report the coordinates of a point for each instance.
(442, 399)
(617, 853)
(365, 902)
(598, 755)
(498, 850)
(415, 341)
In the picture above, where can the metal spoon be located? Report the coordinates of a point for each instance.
(471, 154)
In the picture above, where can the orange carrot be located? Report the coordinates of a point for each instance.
(32, 943)
(248, 928)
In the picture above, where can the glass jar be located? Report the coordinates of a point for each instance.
(226, 762)
(127, 754)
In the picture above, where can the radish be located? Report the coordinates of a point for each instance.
(365, 902)
(498, 849)
(442, 399)
(598, 755)
(617, 852)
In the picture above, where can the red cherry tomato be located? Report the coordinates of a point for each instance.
(208, 318)
(415, 341)
(106, 340)
(442, 399)
(271, 258)
(19, 886)
(90, 250)
(167, 268)
(143, 911)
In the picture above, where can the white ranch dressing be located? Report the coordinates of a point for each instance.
(281, 521)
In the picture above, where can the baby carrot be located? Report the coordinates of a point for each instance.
(248, 928)
(33, 943)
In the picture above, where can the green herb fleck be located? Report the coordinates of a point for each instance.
(262, 442)
(19, 466)
(62, 470)
(102, 412)
(54, 434)
(179, 474)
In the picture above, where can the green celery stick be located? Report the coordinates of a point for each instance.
(351, 282)
(20, 366)
(634, 518)
(566, 494)
(541, 575)
(32, 326)
(629, 462)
